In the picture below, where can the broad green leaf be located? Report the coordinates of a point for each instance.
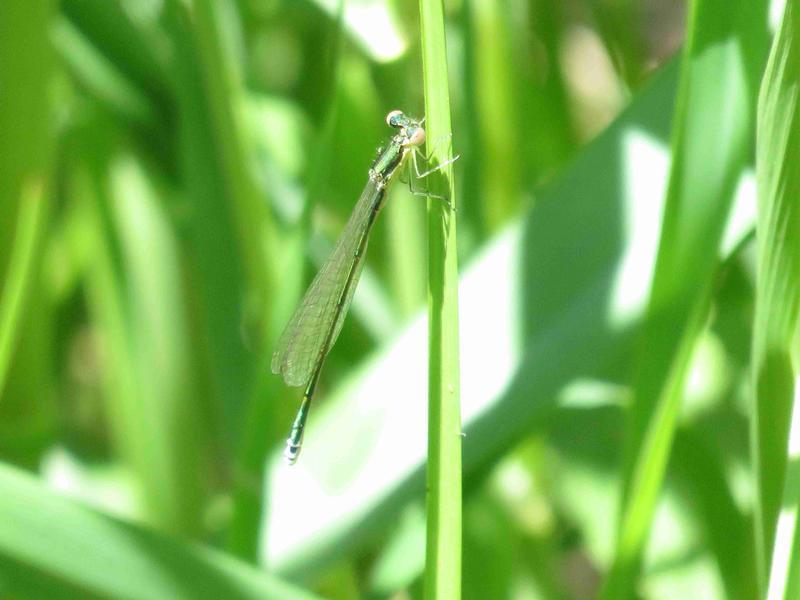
(51, 546)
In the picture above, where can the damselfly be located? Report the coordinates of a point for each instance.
(318, 319)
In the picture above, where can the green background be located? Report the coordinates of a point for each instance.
(173, 172)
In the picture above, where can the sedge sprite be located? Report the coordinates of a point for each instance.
(318, 319)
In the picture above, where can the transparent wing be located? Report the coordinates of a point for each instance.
(301, 344)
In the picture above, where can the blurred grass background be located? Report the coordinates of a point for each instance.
(172, 173)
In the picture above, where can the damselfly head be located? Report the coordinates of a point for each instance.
(415, 136)
(410, 129)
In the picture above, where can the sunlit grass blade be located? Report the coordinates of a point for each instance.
(443, 549)
(723, 54)
(776, 389)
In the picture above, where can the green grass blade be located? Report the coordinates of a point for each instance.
(166, 424)
(443, 549)
(118, 54)
(775, 355)
(21, 271)
(101, 78)
(138, 308)
(26, 61)
(230, 239)
(728, 529)
(625, 44)
(549, 129)
(52, 545)
(496, 112)
(223, 90)
(711, 145)
(130, 41)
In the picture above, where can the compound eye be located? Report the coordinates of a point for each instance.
(396, 118)
(417, 137)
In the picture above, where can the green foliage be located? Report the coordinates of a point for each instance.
(710, 147)
(173, 172)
